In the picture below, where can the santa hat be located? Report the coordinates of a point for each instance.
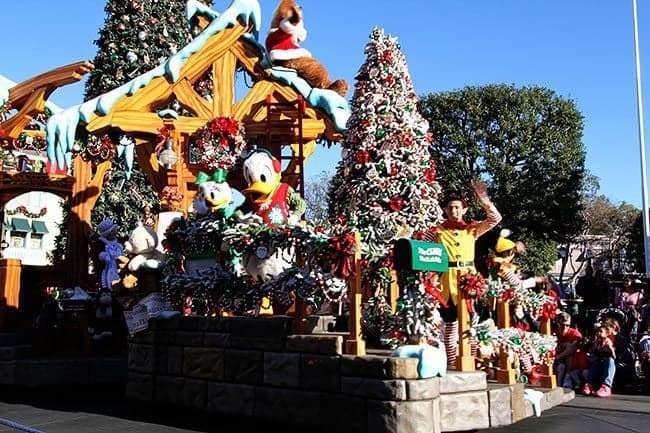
(503, 243)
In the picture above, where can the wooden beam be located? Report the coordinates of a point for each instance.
(214, 48)
(257, 94)
(146, 98)
(223, 91)
(143, 123)
(32, 105)
(248, 56)
(48, 81)
(188, 97)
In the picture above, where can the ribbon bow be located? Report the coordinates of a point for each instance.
(218, 176)
(344, 249)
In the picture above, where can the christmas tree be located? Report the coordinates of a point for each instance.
(385, 186)
(137, 36)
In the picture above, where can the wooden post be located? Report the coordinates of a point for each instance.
(465, 360)
(300, 324)
(394, 290)
(503, 314)
(547, 378)
(10, 281)
(545, 327)
(355, 345)
(505, 373)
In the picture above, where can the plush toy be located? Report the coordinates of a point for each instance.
(432, 359)
(270, 198)
(141, 247)
(112, 255)
(104, 309)
(216, 195)
(287, 30)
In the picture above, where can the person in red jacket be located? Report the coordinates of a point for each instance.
(568, 339)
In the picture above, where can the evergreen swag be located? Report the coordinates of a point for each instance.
(222, 289)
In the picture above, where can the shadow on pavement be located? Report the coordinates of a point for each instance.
(109, 401)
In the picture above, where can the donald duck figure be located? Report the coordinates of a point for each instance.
(276, 202)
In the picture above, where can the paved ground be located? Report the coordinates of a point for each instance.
(83, 410)
(620, 413)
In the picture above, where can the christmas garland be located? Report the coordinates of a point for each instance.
(23, 210)
(224, 287)
(29, 142)
(98, 148)
(218, 144)
(533, 346)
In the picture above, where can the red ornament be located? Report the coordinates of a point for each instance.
(396, 203)
(362, 157)
(418, 235)
(408, 139)
(430, 174)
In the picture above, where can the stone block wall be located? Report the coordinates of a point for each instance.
(255, 367)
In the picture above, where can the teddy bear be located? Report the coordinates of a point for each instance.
(141, 248)
(282, 44)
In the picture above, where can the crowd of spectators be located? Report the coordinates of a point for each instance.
(604, 336)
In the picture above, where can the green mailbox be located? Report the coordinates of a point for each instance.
(410, 254)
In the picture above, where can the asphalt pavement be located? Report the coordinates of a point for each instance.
(87, 409)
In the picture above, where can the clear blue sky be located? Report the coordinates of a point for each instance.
(581, 49)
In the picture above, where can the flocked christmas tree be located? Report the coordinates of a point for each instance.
(385, 187)
(136, 37)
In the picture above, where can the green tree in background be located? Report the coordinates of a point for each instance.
(136, 37)
(636, 246)
(525, 143)
(316, 190)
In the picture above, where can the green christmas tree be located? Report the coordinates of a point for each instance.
(385, 186)
(136, 37)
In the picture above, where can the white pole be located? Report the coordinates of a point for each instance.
(639, 101)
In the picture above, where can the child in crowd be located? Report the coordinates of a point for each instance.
(567, 344)
(602, 366)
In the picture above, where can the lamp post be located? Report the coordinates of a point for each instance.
(563, 254)
(639, 101)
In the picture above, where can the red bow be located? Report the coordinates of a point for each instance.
(549, 310)
(344, 248)
(472, 287)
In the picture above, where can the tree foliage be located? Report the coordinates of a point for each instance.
(316, 191)
(636, 246)
(525, 143)
(135, 38)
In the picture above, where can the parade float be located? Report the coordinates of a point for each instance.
(234, 298)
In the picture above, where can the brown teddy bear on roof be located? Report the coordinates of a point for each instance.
(287, 30)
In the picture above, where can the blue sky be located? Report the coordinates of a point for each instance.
(581, 49)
